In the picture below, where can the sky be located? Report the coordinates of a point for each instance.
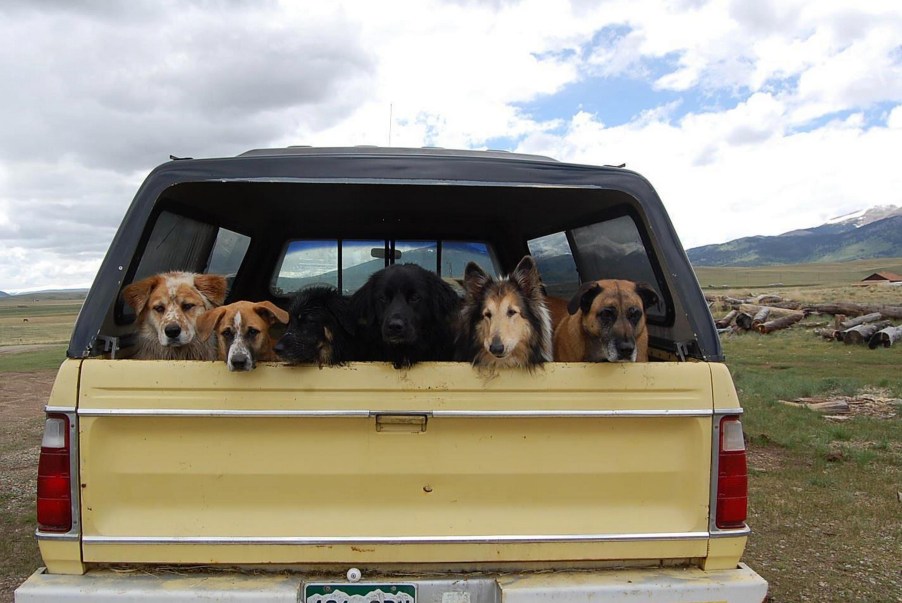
(748, 118)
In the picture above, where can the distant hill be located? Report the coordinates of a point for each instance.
(875, 233)
(56, 294)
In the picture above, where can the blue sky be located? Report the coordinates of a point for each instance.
(789, 109)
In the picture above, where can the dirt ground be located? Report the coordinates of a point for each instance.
(22, 400)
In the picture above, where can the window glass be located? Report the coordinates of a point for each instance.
(307, 263)
(421, 253)
(176, 243)
(228, 253)
(614, 249)
(457, 254)
(360, 259)
(556, 265)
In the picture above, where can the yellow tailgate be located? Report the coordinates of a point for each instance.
(184, 462)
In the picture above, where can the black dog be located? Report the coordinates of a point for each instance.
(320, 328)
(405, 315)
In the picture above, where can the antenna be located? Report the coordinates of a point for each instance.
(390, 109)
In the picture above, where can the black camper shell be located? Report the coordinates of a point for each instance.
(581, 222)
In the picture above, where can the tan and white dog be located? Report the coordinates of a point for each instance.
(242, 332)
(168, 306)
(606, 323)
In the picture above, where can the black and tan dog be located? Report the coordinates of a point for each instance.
(320, 328)
(606, 323)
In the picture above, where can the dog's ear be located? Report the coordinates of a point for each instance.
(648, 295)
(583, 298)
(208, 321)
(211, 286)
(526, 275)
(137, 294)
(271, 313)
(475, 279)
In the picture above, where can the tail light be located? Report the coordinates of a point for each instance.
(732, 476)
(54, 479)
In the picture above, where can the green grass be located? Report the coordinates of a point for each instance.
(38, 360)
(794, 275)
(25, 320)
(824, 510)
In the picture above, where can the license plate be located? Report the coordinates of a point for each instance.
(360, 593)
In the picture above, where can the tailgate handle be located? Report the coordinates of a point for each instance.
(401, 423)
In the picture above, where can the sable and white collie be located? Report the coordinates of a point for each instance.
(504, 323)
(168, 306)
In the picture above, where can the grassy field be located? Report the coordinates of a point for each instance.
(36, 320)
(800, 275)
(824, 496)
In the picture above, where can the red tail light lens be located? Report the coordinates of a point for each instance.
(54, 480)
(732, 476)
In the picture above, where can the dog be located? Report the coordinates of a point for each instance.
(605, 323)
(405, 314)
(242, 332)
(320, 328)
(168, 306)
(557, 307)
(504, 323)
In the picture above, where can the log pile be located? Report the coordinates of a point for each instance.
(853, 324)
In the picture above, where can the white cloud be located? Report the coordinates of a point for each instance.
(718, 187)
(98, 94)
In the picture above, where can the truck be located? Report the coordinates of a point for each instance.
(163, 480)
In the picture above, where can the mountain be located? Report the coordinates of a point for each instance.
(4, 294)
(873, 233)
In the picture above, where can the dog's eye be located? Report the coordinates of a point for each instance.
(187, 306)
(487, 315)
(228, 335)
(634, 315)
(252, 332)
(511, 312)
(414, 297)
(607, 315)
(159, 308)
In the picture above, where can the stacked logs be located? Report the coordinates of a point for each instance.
(853, 323)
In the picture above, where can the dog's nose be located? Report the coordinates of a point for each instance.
(497, 348)
(279, 348)
(172, 330)
(239, 362)
(625, 349)
(395, 325)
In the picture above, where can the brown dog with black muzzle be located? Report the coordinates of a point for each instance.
(242, 330)
(606, 323)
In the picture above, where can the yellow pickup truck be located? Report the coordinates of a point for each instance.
(175, 480)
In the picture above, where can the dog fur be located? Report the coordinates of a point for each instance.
(557, 307)
(405, 315)
(504, 323)
(168, 306)
(606, 323)
(320, 328)
(242, 332)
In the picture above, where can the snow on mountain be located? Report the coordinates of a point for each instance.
(866, 216)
